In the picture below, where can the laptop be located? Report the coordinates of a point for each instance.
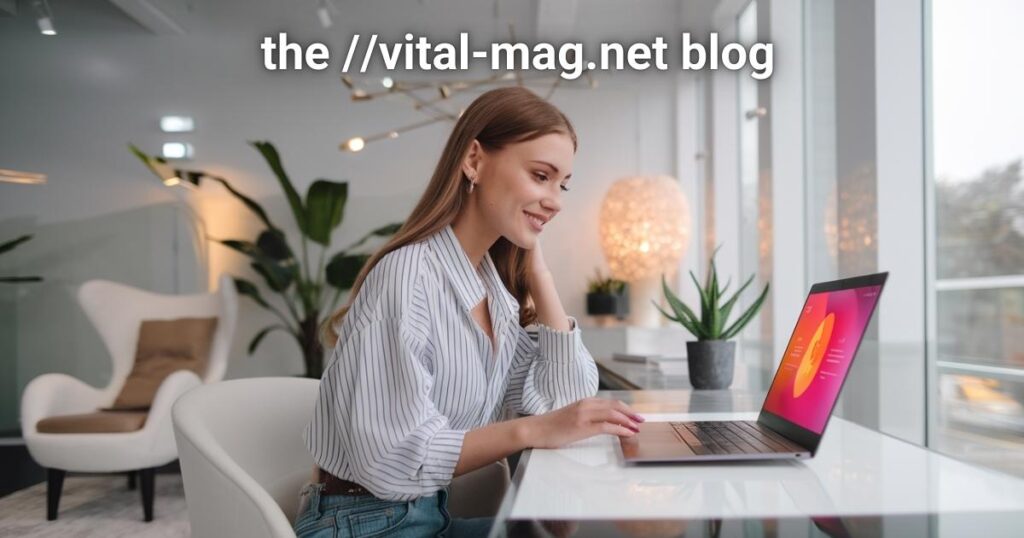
(802, 395)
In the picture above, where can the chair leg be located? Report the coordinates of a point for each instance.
(54, 485)
(147, 476)
(131, 480)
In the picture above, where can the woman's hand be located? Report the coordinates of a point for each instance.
(580, 420)
(538, 266)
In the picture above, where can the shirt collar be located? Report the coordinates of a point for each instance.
(470, 284)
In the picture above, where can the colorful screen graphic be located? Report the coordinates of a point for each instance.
(819, 354)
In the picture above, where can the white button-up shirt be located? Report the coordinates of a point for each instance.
(412, 371)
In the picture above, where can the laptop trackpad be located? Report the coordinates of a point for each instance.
(655, 440)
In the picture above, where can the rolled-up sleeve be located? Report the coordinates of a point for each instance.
(400, 445)
(551, 372)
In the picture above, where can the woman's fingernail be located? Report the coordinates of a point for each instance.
(638, 418)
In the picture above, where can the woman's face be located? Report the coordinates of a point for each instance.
(519, 188)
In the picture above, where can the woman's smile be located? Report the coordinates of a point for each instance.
(536, 221)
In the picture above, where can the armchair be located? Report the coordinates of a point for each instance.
(117, 311)
(243, 460)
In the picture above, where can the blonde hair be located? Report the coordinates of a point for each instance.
(496, 119)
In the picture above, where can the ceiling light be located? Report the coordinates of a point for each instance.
(323, 12)
(354, 144)
(46, 26)
(177, 124)
(24, 178)
(176, 150)
(44, 17)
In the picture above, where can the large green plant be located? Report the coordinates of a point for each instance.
(11, 245)
(309, 292)
(712, 324)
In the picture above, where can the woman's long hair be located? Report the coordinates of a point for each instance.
(496, 119)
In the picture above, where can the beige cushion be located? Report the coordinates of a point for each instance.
(98, 422)
(165, 346)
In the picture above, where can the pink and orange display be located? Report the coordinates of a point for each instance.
(819, 354)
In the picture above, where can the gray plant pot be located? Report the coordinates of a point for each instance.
(710, 363)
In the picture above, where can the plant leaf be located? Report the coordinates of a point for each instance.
(269, 153)
(256, 208)
(736, 327)
(255, 342)
(704, 308)
(325, 209)
(273, 244)
(250, 290)
(686, 323)
(13, 279)
(10, 245)
(277, 278)
(713, 320)
(157, 165)
(666, 314)
(727, 307)
(343, 269)
(277, 275)
(683, 312)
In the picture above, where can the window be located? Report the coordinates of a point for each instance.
(977, 403)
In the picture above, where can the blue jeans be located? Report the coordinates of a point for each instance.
(362, 516)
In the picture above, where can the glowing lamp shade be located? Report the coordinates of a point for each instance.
(645, 229)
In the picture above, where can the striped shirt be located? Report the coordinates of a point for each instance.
(413, 371)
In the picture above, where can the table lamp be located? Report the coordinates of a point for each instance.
(645, 229)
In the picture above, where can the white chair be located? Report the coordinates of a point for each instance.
(244, 462)
(117, 311)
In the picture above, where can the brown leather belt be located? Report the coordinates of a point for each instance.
(337, 486)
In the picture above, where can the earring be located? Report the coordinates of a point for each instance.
(472, 184)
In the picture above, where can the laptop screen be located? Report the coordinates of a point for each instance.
(819, 354)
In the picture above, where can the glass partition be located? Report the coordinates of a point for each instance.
(841, 216)
(42, 326)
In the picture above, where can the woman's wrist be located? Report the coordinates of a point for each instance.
(539, 278)
(524, 432)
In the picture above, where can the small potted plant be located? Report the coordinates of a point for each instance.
(711, 358)
(607, 296)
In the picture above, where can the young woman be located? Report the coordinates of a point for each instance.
(431, 347)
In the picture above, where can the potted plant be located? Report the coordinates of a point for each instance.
(607, 296)
(711, 359)
(308, 291)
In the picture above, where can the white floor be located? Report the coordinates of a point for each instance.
(96, 506)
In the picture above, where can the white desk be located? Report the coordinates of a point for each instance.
(856, 471)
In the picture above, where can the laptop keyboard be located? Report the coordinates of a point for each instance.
(732, 437)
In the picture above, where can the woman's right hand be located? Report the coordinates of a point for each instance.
(580, 420)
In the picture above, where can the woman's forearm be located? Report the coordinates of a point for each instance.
(545, 300)
(491, 443)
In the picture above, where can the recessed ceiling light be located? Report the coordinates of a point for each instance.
(176, 150)
(177, 124)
